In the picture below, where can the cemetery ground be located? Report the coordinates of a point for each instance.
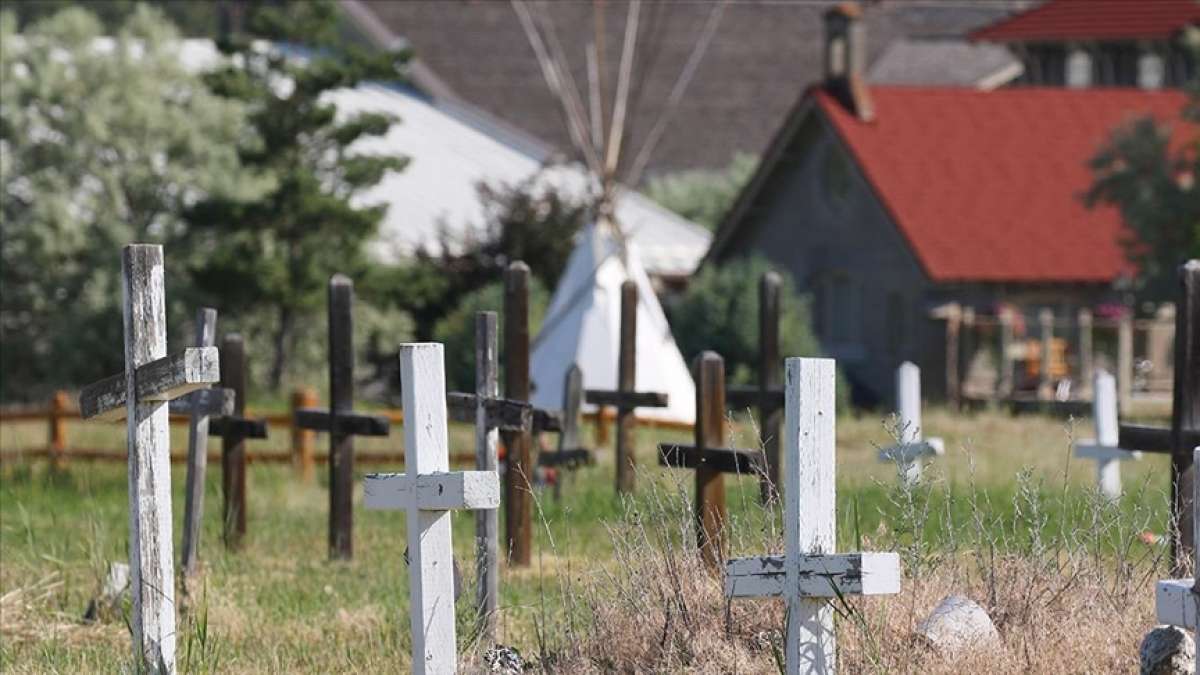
(1007, 517)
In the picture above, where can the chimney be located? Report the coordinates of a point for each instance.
(846, 58)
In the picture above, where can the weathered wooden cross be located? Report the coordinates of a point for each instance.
(1184, 433)
(234, 429)
(768, 395)
(710, 458)
(912, 447)
(340, 420)
(625, 399)
(1104, 447)
(428, 491)
(809, 574)
(1177, 601)
(140, 394)
(570, 453)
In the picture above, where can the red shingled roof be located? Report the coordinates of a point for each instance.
(986, 186)
(1095, 20)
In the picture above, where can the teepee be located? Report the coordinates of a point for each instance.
(582, 324)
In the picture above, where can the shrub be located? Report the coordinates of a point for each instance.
(457, 329)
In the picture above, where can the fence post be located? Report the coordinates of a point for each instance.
(302, 439)
(58, 430)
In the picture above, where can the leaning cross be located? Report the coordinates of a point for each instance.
(340, 420)
(626, 400)
(810, 573)
(570, 453)
(908, 454)
(1104, 448)
(1177, 601)
(710, 458)
(428, 491)
(154, 378)
(1184, 433)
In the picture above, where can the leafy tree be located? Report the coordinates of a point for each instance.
(1151, 180)
(275, 253)
(189, 16)
(703, 196)
(98, 147)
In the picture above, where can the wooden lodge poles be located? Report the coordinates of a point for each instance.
(518, 494)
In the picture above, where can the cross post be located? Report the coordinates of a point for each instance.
(710, 458)
(140, 395)
(570, 452)
(1105, 447)
(1184, 433)
(1177, 601)
(428, 491)
(626, 400)
(340, 420)
(912, 448)
(197, 460)
(233, 446)
(810, 574)
(518, 493)
(487, 441)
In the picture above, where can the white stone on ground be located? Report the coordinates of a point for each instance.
(958, 625)
(1167, 650)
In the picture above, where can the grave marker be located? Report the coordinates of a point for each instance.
(710, 458)
(340, 420)
(1104, 447)
(909, 453)
(1177, 601)
(428, 491)
(1184, 433)
(809, 574)
(199, 406)
(570, 453)
(625, 399)
(151, 379)
(518, 494)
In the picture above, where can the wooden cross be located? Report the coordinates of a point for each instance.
(140, 395)
(625, 399)
(710, 458)
(570, 453)
(1177, 601)
(810, 573)
(1184, 433)
(234, 429)
(912, 448)
(768, 395)
(428, 491)
(1104, 448)
(518, 494)
(340, 420)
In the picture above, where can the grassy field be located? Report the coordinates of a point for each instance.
(1006, 517)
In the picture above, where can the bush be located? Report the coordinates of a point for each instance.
(719, 311)
(703, 196)
(457, 330)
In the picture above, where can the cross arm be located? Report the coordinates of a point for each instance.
(725, 460)
(1176, 603)
(214, 401)
(820, 576)
(433, 492)
(753, 397)
(1154, 439)
(907, 452)
(626, 399)
(237, 427)
(1090, 448)
(163, 379)
(502, 413)
(569, 458)
(349, 422)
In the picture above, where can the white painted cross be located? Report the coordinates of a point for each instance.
(912, 448)
(156, 378)
(1103, 448)
(428, 491)
(1176, 602)
(810, 572)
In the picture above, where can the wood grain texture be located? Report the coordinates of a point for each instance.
(433, 491)
(502, 413)
(158, 380)
(487, 441)
(708, 371)
(152, 582)
(201, 405)
(626, 455)
(207, 402)
(233, 446)
(518, 494)
(822, 576)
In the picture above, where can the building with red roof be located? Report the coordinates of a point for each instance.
(892, 204)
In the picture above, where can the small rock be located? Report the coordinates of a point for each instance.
(1167, 650)
(958, 625)
(109, 600)
(504, 659)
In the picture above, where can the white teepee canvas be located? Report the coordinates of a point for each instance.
(583, 325)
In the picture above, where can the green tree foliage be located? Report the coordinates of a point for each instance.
(457, 329)
(1152, 180)
(191, 17)
(703, 196)
(100, 145)
(276, 253)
